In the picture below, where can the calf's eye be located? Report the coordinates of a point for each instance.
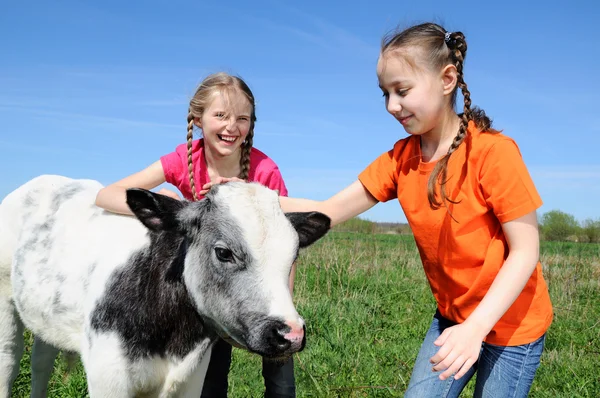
(224, 255)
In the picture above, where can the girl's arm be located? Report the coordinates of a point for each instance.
(348, 203)
(460, 348)
(523, 240)
(112, 197)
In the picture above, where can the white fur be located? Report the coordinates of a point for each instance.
(271, 245)
(90, 251)
(272, 242)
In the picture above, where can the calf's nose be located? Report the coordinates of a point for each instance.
(293, 331)
(287, 337)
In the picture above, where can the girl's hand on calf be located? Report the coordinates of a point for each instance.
(220, 180)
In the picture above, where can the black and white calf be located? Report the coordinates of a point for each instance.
(142, 300)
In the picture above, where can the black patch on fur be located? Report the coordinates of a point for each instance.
(86, 280)
(148, 304)
(92, 268)
(29, 200)
(58, 308)
(157, 212)
(174, 272)
(18, 258)
(40, 237)
(310, 226)
(64, 194)
(268, 336)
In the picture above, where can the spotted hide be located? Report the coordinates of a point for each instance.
(143, 298)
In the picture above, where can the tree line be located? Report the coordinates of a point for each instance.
(554, 225)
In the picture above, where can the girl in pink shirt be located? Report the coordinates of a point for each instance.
(223, 109)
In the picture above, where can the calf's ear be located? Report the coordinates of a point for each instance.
(310, 226)
(157, 212)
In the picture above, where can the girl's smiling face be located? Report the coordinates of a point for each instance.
(414, 95)
(226, 122)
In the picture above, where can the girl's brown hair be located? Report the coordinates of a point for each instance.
(437, 49)
(225, 84)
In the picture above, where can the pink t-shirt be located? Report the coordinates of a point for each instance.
(262, 169)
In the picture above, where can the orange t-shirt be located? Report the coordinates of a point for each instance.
(461, 258)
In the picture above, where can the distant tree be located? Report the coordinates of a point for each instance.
(404, 229)
(558, 226)
(356, 225)
(591, 229)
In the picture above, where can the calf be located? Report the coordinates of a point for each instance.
(142, 300)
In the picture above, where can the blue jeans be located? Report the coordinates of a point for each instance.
(279, 377)
(501, 371)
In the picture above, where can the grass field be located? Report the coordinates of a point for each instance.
(367, 306)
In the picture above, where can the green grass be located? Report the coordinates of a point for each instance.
(367, 306)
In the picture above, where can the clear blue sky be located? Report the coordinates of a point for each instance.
(100, 89)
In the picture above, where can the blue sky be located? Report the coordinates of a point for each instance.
(101, 89)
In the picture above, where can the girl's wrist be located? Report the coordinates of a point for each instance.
(482, 327)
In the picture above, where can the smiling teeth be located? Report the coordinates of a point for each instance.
(228, 139)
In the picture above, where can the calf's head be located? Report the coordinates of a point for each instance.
(239, 250)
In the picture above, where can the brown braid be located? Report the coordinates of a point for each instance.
(247, 146)
(458, 48)
(245, 158)
(190, 136)
(440, 52)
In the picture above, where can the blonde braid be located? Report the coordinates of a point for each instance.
(245, 157)
(190, 136)
(249, 141)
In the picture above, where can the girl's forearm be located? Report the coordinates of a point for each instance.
(505, 289)
(350, 202)
(292, 205)
(114, 199)
(328, 207)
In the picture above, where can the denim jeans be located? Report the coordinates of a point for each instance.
(501, 371)
(278, 376)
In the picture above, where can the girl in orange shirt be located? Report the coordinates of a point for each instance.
(471, 205)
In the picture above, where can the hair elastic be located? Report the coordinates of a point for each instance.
(447, 37)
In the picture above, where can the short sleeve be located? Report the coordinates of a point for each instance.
(173, 168)
(379, 178)
(265, 171)
(506, 184)
(274, 181)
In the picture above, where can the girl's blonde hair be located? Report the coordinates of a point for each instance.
(222, 83)
(438, 48)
